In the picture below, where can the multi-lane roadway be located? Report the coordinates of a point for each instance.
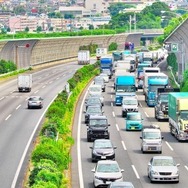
(128, 152)
(19, 125)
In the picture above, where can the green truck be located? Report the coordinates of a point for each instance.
(178, 115)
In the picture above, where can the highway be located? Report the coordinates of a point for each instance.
(128, 152)
(19, 126)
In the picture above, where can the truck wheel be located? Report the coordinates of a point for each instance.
(88, 139)
(123, 115)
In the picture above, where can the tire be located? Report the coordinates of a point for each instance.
(89, 139)
(123, 115)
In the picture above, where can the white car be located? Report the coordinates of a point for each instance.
(105, 77)
(106, 172)
(95, 89)
(35, 102)
(163, 168)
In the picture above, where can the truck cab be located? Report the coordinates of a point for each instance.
(151, 140)
(133, 121)
(97, 128)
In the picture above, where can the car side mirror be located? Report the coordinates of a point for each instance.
(84, 111)
(87, 125)
(93, 170)
(140, 137)
(91, 147)
(108, 124)
(149, 164)
(115, 147)
(122, 170)
(177, 165)
(162, 137)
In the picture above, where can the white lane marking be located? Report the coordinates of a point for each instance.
(111, 96)
(12, 91)
(50, 82)
(2, 98)
(123, 144)
(137, 96)
(146, 114)
(186, 167)
(18, 107)
(135, 171)
(36, 91)
(43, 86)
(111, 90)
(169, 146)
(111, 103)
(117, 127)
(80, 173)
(8, 117)
(13, 185)
(113, 114)
(57, 78)
(140, 104)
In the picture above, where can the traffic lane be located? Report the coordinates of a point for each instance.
(123, 160)
(140, 161)
(17, 132)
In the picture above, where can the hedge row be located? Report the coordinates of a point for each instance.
(51, 156)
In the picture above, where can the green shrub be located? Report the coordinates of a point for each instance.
(6, 66)
(42, 184)
(112, 46)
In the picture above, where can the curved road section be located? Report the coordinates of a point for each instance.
(19, 126)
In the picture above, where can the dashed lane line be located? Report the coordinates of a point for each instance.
(169, 146)
(111, 103)
(18, 107)
(123, 144)
(113, 114)
(2, 98)
(7, 117)
(135, 171)
(146, 114)
(117, 127)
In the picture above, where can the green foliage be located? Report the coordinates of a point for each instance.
(184, 84)
(112, 46)
(42, 184)
(91, 47)
(6, 66)
(172, 61)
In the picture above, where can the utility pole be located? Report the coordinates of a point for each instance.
(130, 22)
(134, 22)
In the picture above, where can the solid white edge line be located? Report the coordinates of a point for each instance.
(78, 144)
(135, 171)
(123, 144)
(146, 114)
(7, 117)
(2, 98)
(169, 146)
(117, 127)
(27, 147)
(18, 107)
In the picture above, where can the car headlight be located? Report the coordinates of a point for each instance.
(154, 172)
(175, 173)
(95, 152)
(144, 142)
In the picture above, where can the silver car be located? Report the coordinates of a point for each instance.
(123, 184)
(35, 102)
(163, 168)
(106, 172)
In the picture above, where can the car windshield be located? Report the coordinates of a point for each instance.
(125, 89)
(163, 97)
(98, 122)
(184, 115)
(107, 71)
(95, 89)
(93, 109)
(108, 168)
(34, 99)
(93, 101)
(130, 102)
(102, 144)
(163, 162)
(135, 117)
(151, 135)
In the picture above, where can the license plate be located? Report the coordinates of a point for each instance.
(103, 157)
(132, 128)
(108, 182)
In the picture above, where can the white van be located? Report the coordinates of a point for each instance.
(151, 140)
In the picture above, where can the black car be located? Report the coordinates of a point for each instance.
(93, 101)
(97, 128)
(92, 110)
(102, 149)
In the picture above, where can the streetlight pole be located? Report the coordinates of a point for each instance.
(130, 22)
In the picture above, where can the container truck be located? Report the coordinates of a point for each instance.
(24, 82)
(83, 57)
(124, 86)
(178, 115)
(151, 82)
(161, 106)
(100, 52)
(148, 58)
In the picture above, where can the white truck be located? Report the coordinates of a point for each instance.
(101, 52)
(83, 57)
(148, 58)
(24, 82)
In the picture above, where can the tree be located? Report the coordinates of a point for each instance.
(39, 29)
(19, 10)
(91, 27)
(27, 29)
(68, 16)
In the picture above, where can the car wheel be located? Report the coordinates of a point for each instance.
(160, 152)
(123, 115)
(29, 107)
